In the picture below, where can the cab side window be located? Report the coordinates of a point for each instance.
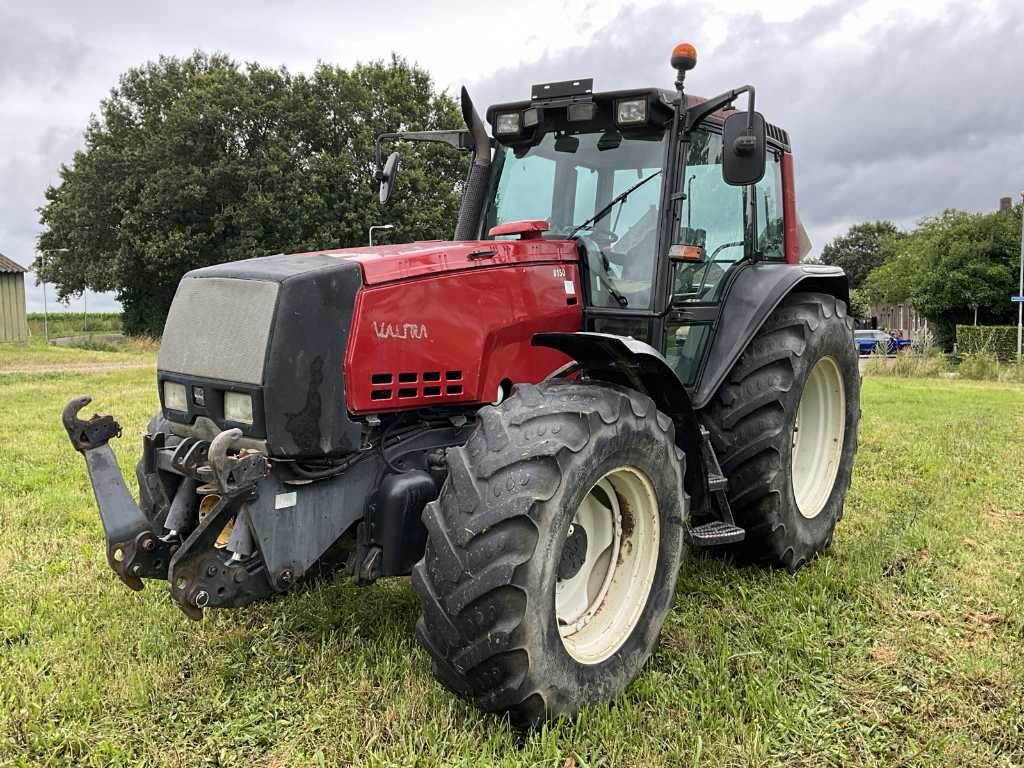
(712, 217)
(768, 194)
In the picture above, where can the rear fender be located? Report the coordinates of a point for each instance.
(752, 295)
(628, 362)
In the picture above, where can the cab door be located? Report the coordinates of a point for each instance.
(716, 217)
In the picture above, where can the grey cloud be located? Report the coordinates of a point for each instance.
(912, 117)
(33, 55)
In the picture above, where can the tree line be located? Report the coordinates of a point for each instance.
(197, 161)
(951, 268)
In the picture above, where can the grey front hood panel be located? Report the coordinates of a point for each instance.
(219, 328)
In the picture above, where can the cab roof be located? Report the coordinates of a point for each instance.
(560, 95)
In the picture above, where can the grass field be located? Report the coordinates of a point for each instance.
(902, 646)
(38, 356)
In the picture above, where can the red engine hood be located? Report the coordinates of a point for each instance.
(388, 263)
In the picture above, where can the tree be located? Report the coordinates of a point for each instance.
(952, 265)
(859, 306)
(860, 250)
(198, 161)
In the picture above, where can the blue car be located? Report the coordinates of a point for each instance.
(868, 341)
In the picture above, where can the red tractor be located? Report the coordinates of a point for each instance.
(618, 357)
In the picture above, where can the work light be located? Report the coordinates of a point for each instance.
(238, 407)
(507, 124)
(631, 111)
(581, 111)
(174, 397)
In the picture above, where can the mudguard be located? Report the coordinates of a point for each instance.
(752, 295)
(626, 361)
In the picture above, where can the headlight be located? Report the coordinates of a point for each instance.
(507, 123)
(238, 407)
(174, 397)
(631, 111)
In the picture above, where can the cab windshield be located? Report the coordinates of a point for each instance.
(568, 179)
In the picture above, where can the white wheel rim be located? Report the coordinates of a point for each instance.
(818, 437)
(598, 605)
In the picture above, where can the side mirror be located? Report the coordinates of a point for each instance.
(388, 177)
(744, 145)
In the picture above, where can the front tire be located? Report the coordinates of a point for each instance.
(153, 498)
(553, 550)
(784, 427)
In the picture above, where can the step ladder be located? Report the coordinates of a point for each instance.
(722, 530)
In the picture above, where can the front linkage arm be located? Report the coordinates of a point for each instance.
(197, 571)
(134, 549)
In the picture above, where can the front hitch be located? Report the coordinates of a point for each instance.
(200, 576)
(134, 549)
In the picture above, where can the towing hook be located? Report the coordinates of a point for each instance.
(235, 474)
(219, 449)
(86, 435)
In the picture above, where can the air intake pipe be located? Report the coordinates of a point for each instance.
(479, 173)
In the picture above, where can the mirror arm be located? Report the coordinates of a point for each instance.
(460, 138)
(378, 174)
(698, 112)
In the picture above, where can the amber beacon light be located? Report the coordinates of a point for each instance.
(684, 57)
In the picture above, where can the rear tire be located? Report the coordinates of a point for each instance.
(520, 615)
(788, 476)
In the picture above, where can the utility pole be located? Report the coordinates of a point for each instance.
(46, 319)
(1020, 287)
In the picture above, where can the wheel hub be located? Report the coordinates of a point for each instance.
(607, 565)
(818, 433)
(574, 552)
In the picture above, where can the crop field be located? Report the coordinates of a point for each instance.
(901, 646)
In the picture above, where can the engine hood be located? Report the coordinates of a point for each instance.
(388, 263)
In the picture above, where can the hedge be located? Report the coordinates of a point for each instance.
(998, 340)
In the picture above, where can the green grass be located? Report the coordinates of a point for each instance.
(74, 323)
(37, 356)
(901, 646)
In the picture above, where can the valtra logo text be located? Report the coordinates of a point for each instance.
(416, 331)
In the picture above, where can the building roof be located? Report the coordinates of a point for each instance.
(6, 265)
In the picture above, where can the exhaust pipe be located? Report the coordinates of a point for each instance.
(479, 173)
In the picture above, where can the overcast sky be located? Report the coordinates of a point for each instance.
(896, 109)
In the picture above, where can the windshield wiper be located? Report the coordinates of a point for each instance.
(615, 201)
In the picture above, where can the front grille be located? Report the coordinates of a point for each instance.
(218, 328)
(415, 385)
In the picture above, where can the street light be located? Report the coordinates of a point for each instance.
(379, 226)
(46, 320)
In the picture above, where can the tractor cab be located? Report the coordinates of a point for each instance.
(663, 201)
(658, 230)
